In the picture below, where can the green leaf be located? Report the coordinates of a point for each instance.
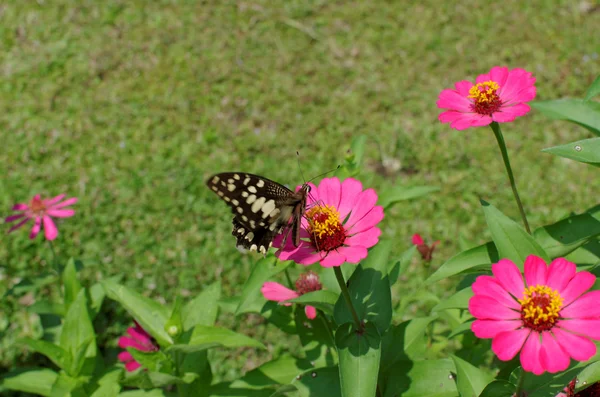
(399, 267)
(511, 240)
(323, 299)
(143, 393)
(95, 297)
(252, 299)
(55, 353)
(319, 382)
(68, 386)
(402, 193)
(404, 341)
(498, 388)
(471, 259)
(589, 375)
(428, 378)
(203, 309)
(156, 361)
(593, 90)
(371, 297)
(470, 380)
(196, 363)
(151, 315)
(316, 338)
(584, 151)
(283, 370)
(359, 357)
(148, 379)
(36, 380)
(71, 283)
(584, 113)
(565, 236)
(459, 300)
(78, 338)
(109, 389)
(174, 325)
(204, 337)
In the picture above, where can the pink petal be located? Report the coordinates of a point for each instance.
(303, 255)
(13, 218)
(490, 328)
(330, 191)
(507, 344)
(311, 312)
(560, 272)
(367, 222)
(49, 228)
(365, 202)
(366, 239)
(54, 200)
(60, 213)
(518, 80)
(509, 277)
(462, 121)
(20, 207)
(578, 347)
(132, 366)
(535, 271)
(453, 100)
(530, 355)
(18, 225)
(586, 306)
(489, 286)
(140, 336)
(125, 342)
(484, 307)
(125, 356)
(508, 113)
(581, 282)
(463, 87)
(276, 292)
(332, 259)
(351, 188)
(552, 356)
(588, 327)
(36, 228)
(353, 254)
(499, 74)
(65, 203)
(417, 239)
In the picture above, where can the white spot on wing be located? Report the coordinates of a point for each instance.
(250, 199)
(260, 183)
(220, 193)
(253, 247)
(258, 204)
(249, 236)
(236, 177)
(267, 208)
(244, 218)
(235, 202)
(231, 187)
(252, 189)
(215, 179)
(240, 210)
(246, 180)
(230, 180)
(214, 188)
(244, 194)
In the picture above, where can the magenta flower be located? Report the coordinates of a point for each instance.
(138, 339)
(42, 211)
(307, 282)
(425, 250)
(499, 96)
(338, 227)
(547, 317)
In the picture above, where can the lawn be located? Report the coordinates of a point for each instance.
(131, 105)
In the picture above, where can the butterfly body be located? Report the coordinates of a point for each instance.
(262, 208)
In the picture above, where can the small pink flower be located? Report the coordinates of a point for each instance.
(548, 317)
(138, 339)
(338, 227)
(425, 250)
(499, 96)
(307, 282)
(42, 211)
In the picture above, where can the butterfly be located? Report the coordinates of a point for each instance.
(262, 208)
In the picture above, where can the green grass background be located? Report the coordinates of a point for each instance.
(131, 105)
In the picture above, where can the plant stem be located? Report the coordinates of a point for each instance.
(55, 264)
(520, 384)
(346, 294)
(327, 326)
(496, 128)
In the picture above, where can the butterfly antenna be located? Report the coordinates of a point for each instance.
(300, 168)
(325, 173)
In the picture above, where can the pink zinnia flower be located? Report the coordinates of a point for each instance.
(338, 227)
(547, 317)
(138, 339)
(42, 211)
(307, 282)
(499, 96)
(425, 250)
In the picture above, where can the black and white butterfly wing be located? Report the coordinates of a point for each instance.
(262, 208)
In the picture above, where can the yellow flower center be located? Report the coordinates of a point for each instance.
(540, 307)
(486, 100)
(326, 231)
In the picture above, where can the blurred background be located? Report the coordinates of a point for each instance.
(131, 105)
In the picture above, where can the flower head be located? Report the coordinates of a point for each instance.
(307, 282)
(138, 339)
(338, 227)
(42, 211)
(499, 96)
(548, 317)
(425, 250)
